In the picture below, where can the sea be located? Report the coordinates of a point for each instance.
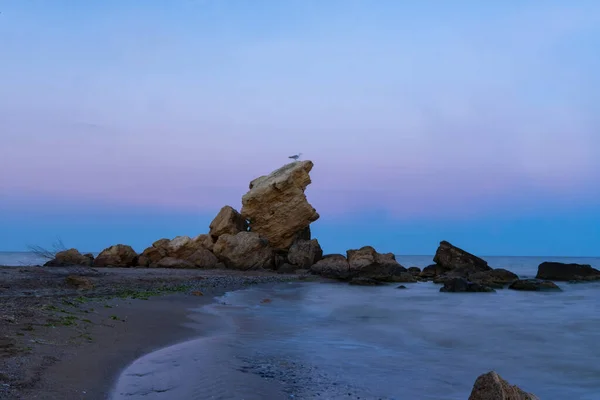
(335, 341)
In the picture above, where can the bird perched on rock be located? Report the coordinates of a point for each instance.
(295, 157)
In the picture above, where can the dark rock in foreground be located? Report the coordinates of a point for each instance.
(457, 285)
(534, 285)
(71, 257)
(491, 386)
(556, 271)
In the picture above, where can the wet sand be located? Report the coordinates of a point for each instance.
(58, 342)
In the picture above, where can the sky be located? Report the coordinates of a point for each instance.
(468, 121)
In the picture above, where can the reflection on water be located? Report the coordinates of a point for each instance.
(338, 341)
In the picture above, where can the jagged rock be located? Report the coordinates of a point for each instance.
(228, 221)
(491, 386)
(119, 255)
(457, 285)
(431, 271)
(451, 257)
(556, 271)
(332, 266)
(172, 262)
(276, 207)
(182, 248)
(304, 253)
(366, 262)
(534, 285)
(365, 282)
(71, 257)
(245, 251)
(79, 282)
(205, 240)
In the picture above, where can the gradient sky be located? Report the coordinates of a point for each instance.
(475, 122)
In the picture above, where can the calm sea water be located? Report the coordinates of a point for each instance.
(335, 341)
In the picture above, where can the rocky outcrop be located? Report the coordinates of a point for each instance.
(71, 257)
(451, 257)
(245, 251)
(227, 222)
(456, 285)
(119, 255)
(276, 206)
(534, 285)
(366, 262)
(181, 252)
(304, 253)
(496, 278)
(556, 271)
(491, 386)
(333, 266)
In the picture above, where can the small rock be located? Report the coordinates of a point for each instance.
(491, 386)
(401, 287)
(534, 285)
(79, 282)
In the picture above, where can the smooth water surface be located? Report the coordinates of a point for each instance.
(331, 341)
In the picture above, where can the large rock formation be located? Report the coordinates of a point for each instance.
(119, 255)
(276, 207)
(245, 251)
(491, 386)
(228, 221)
(181, 252)
(556, 271)
(304, 253)
(71, 257)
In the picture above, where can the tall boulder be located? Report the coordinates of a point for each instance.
(304, 253)
(491, 386)
(557, 271)
(70, 257)
(228, 221)
(245, 251)
(119, 255)
(276, 206)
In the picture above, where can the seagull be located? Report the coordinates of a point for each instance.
(295, 157)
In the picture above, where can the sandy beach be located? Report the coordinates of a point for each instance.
(58, 341)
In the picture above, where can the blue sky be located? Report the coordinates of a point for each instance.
(474, 122)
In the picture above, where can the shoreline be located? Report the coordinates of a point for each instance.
(62, 342)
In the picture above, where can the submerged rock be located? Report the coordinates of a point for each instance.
(534, 285)
(491, 386)
(457, 285)
(70, 257)
(365, 282)
(557, 271)
(276, 206)
(119, 255)
(228, 221)
(245, 251)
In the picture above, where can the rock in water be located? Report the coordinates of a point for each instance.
(245, 251)
(333, 266)
(458, 285)
(451, 257)
(491, 386)
(534, 285)
(556, 271)
(119, 255)
(228, 221)
(276, 207)
(71, 257)
(366, 262)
